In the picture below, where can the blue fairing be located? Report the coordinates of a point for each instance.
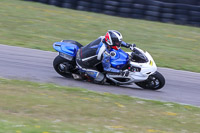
(66, 48)
(119, 60)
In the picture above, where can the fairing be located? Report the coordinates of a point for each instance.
(66, 48)
(147, 68)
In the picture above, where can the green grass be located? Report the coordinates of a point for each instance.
(36, 25)
(28, 107)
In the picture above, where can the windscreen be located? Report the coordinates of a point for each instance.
(137, 56)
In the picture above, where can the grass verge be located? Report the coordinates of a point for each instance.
(36, 25)
(28, 107)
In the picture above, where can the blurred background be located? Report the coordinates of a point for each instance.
(28, 107)
(175, 11)
(174, 44)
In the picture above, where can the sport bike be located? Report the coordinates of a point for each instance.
(141, 66)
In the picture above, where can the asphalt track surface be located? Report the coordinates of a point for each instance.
(36, 65)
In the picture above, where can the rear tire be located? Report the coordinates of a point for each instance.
(155, 82)
(59, 65)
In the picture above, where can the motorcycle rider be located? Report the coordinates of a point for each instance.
(98, 51)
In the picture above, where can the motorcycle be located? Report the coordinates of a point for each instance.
(141, 66)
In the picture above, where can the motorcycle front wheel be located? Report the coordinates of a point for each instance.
(62, 66)
(154, 82)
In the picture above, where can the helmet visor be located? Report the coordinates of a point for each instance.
(116, 42)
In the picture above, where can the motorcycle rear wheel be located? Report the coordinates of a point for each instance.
(60, 65)
(155, 82)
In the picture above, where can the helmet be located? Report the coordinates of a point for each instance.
(114, 39)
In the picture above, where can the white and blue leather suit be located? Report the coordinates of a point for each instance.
(93, 54)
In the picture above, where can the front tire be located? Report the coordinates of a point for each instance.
(155, 82)
(60, 65)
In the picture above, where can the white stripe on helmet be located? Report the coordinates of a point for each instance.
(118, 36)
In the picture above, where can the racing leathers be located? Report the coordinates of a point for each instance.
(91, 55)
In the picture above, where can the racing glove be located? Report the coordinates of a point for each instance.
(131, 46)
(124, 73)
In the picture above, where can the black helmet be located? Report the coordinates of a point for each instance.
(114, 39)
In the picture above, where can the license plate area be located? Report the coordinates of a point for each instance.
(66, 56)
